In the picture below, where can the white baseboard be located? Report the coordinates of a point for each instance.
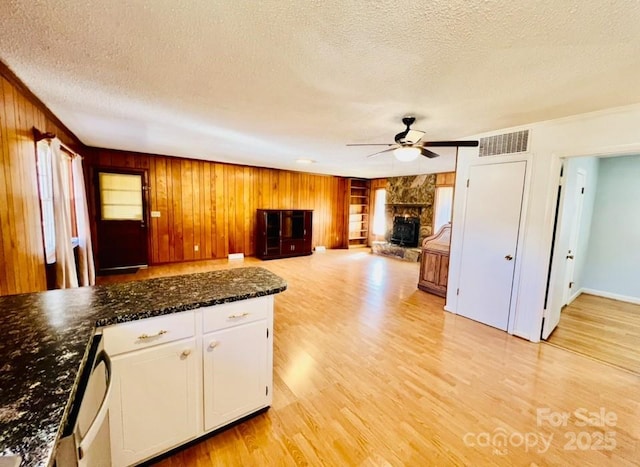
(614, 296)
(446, 308)
(236, 256)
(575, 295)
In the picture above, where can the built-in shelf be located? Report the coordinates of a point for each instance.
(358, 215)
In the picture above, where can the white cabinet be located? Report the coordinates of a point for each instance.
(155, 400)
(179, 376)
(237, 360)
(236, 373)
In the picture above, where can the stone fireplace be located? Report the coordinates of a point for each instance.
(405, 231)
(409, 197)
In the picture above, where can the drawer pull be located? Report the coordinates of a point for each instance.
(213, 344)
(146, 336)
(239, 316)
(186, 352)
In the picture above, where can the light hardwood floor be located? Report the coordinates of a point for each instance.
(601, 328)
(369, 370)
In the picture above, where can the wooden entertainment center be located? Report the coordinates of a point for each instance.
(282, 233)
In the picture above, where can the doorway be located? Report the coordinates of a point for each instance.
(593, 303)
(121, 218)
(489, 247)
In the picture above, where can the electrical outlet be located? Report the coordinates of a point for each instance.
(196, 247)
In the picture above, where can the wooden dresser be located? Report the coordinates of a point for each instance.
(434, 262)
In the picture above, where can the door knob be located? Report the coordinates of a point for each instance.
(569, 256)
(508, 257)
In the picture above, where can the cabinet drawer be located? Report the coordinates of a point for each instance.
(235, 313)
(143, 333)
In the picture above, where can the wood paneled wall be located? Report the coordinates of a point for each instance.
(213, 206)
(445, 179)
(22, 264)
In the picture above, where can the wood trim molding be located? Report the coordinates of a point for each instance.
(13, 79)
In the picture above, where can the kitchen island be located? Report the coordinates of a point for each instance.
(45, 338)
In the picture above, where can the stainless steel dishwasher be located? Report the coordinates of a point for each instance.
(85, 438)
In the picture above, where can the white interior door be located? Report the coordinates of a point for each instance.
(574, 237)
(567, 238)
(489, 249)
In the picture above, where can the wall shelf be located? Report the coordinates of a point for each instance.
(358, 215)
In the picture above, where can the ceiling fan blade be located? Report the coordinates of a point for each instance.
(430, 154)
(371, 144)
(439, 144)
(413, 136)
(381, 152)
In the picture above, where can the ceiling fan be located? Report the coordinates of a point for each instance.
(409, 144)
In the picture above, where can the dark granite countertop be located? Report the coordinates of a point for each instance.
(45, 337)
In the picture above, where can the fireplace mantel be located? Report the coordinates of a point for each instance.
(406, 205)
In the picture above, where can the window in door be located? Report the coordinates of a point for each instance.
(120, 197)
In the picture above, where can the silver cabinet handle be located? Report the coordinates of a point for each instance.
(213, 344)
(242, 315)
(158, 334)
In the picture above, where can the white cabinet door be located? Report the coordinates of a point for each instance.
(237, 378)
(155, 400)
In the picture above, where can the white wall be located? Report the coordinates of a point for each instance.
(614, 131)
(613, 264)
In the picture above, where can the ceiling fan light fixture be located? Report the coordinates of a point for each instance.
(406, 154)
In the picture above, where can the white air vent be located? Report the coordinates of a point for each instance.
(508, 143)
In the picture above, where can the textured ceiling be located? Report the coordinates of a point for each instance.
(266, 82)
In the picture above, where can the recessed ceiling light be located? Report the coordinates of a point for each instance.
(304, 161)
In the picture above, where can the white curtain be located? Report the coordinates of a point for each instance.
(66, 276)
(85, 248)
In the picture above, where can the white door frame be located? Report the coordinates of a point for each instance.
(554, 170)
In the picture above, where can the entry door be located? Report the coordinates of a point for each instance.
(489, 249)
(122, 219)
